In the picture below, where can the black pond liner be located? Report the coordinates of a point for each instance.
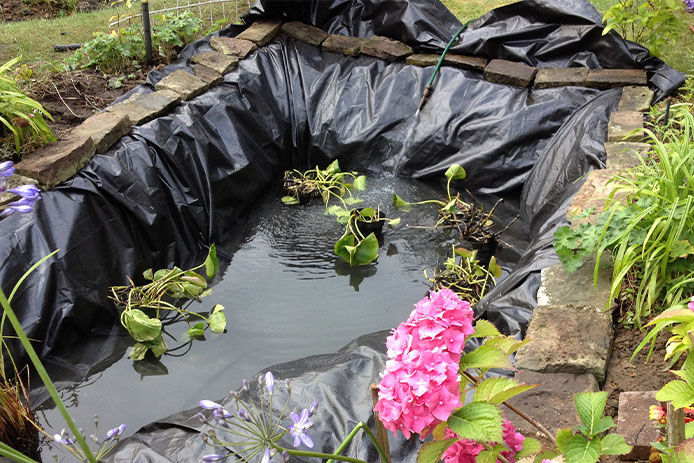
(173, 186)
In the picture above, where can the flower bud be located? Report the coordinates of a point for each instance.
(313, 408)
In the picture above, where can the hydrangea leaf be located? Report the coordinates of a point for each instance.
(485, 328)
(581, 450)
(479, 421)
(485, 357)
(563, 438)
(590, 407)
(614, 444)
(211, 262)
(431, 452)
(530, 447)
(499, 389)
(602, 425)
(679, 393)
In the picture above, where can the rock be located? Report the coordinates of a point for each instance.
(505, 72)
(567, 339)
(218, 62)
(143, 107)
(635, 99)
(300, 31)
(232, 46)
(346, 45)
(611, 78)
(260, 32)
(13, 182)
(634, 424)
(560, 77)
(183, 83)
(551, 403)
(465, 62)
(211, 77)
(423, 59)
(623, 125)
(56, 162)
(559, 287)
(105, 129)
(385, 48)
(624, 155)
(593, 194)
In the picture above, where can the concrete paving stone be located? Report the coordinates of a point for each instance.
(567, 339)
(232, 46)
(385, 48)
(185, 84)
(143, 107)
(623, 125)
(560, 77)
(465, 62)
(505, 72)
(105, 129)
(559, 287)
(634, 424)
(261, 32)
(625, 155)
(208, 75)
(304, 32)
(611, 78)
(218, 62)
(56, 162)
(635, 98)
(344, 44)
(13, 182)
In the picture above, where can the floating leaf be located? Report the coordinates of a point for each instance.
(196, 330)
(400, 203)
(366, 251)
(342, 244)
(138, 352)
(455, 172)
(157, 346)
(290, 200)
(148, 274)
(217, 321)
(140, 326)
(431, 452)
(211, 262)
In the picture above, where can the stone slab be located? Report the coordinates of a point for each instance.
(304, 32)
(185, 84)
(623, 124)
(634, 424)
(505, 72)
(344, 44)
(211, 77)
(567, 339)
(560, 77)
(56, 162)
(260, 32)
(635, 98)
(105, 129)
(559, 287)
(143, 107)
(611, 78)
(551, 403)
(625, 155)
(427, 59)
(466, 62)
(218, 62)
(385, 48)
(13, 182)
(593, 195)
(232, 46)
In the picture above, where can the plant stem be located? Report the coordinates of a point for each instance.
(44, 376)
(306, 453)
(12, 454)
(380, 429)
(362, 426)
(675, 425)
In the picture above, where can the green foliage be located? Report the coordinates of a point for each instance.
(329, 183)
(142, 305)
(680, 393)
(652, 23)
(354, 247)
(478, 421)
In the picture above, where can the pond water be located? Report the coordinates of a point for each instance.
(286, 295)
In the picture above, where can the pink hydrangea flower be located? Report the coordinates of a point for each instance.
(421, 385)
(466, 451)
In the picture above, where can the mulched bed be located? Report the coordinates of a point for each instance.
(23, 10)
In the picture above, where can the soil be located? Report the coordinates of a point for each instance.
(23, 10)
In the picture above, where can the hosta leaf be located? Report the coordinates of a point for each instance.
(581, 450)
(614, 444)
(590, 407)
(477, 421)
(485, 357)
(431, 452)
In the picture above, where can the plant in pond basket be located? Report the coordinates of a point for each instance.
(143, 305)
(359, 244)
(325, 184)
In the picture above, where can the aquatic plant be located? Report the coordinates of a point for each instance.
(325, 184)
(359, 244)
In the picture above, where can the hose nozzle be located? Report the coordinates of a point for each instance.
(425, 96)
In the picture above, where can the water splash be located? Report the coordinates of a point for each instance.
(396, 161)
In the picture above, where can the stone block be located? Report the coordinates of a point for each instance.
(232, 46)
(143, 107)
(260, 32)
(559, 287)
(304, 32)
(13, 182)
(423, 60)
(624, 155)
(625, 126)
(567, 339)
(551, 403)
(635, 98)
(385, 48)
(211, 77)
(185, 84)
(465, 62)
(56, 162)
(560, 77)
(612, 78)
(218, 62)
(105, 129)
(505, 72)
(593, 195)
(344, 44)
(634, 425)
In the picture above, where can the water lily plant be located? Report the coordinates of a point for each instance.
(325, 184)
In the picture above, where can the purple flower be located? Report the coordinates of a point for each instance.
(267, 456)
(313, 408)
(6, 169)
(243, 414)
(213, 457)
(269, 382)
(298, 429)
(209, 405)
(285, 456)
(26, 191)
(115, 432)
(690, 5)
(63, 438)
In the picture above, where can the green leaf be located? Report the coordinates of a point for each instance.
(196, 330)
(478, 421)
(679, 393)
(140, 326)
(217, 321)
(342, 244)
(455, 172)
(162, 273)
(505, 344)
(563, 438)
(530, 447)
(290, 200)
(400, 203)
(485, 328)
(211, 262)
(351, 200)
(138, 352)
(545, 455)
(494, 268)
(681, 248)
(687, 370)
(485, 357)
(368, 213)
(499, 389)
(148, 274)
(590, 407)
(333, 168)
(490, 455)
(157, 346)
(683, 453)
(360, 183)
(394, 222)
(614, 444)
(366, 251)
(581, 450)
(689, 430)
(337, 211)
(431, 452)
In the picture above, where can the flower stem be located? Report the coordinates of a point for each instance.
(361, 426)
(14, 455)
(306, 453)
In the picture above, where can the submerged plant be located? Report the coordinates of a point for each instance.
(167, 285)
(325, 184)
(358, 245)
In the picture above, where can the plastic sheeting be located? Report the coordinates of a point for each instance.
(180, 182)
